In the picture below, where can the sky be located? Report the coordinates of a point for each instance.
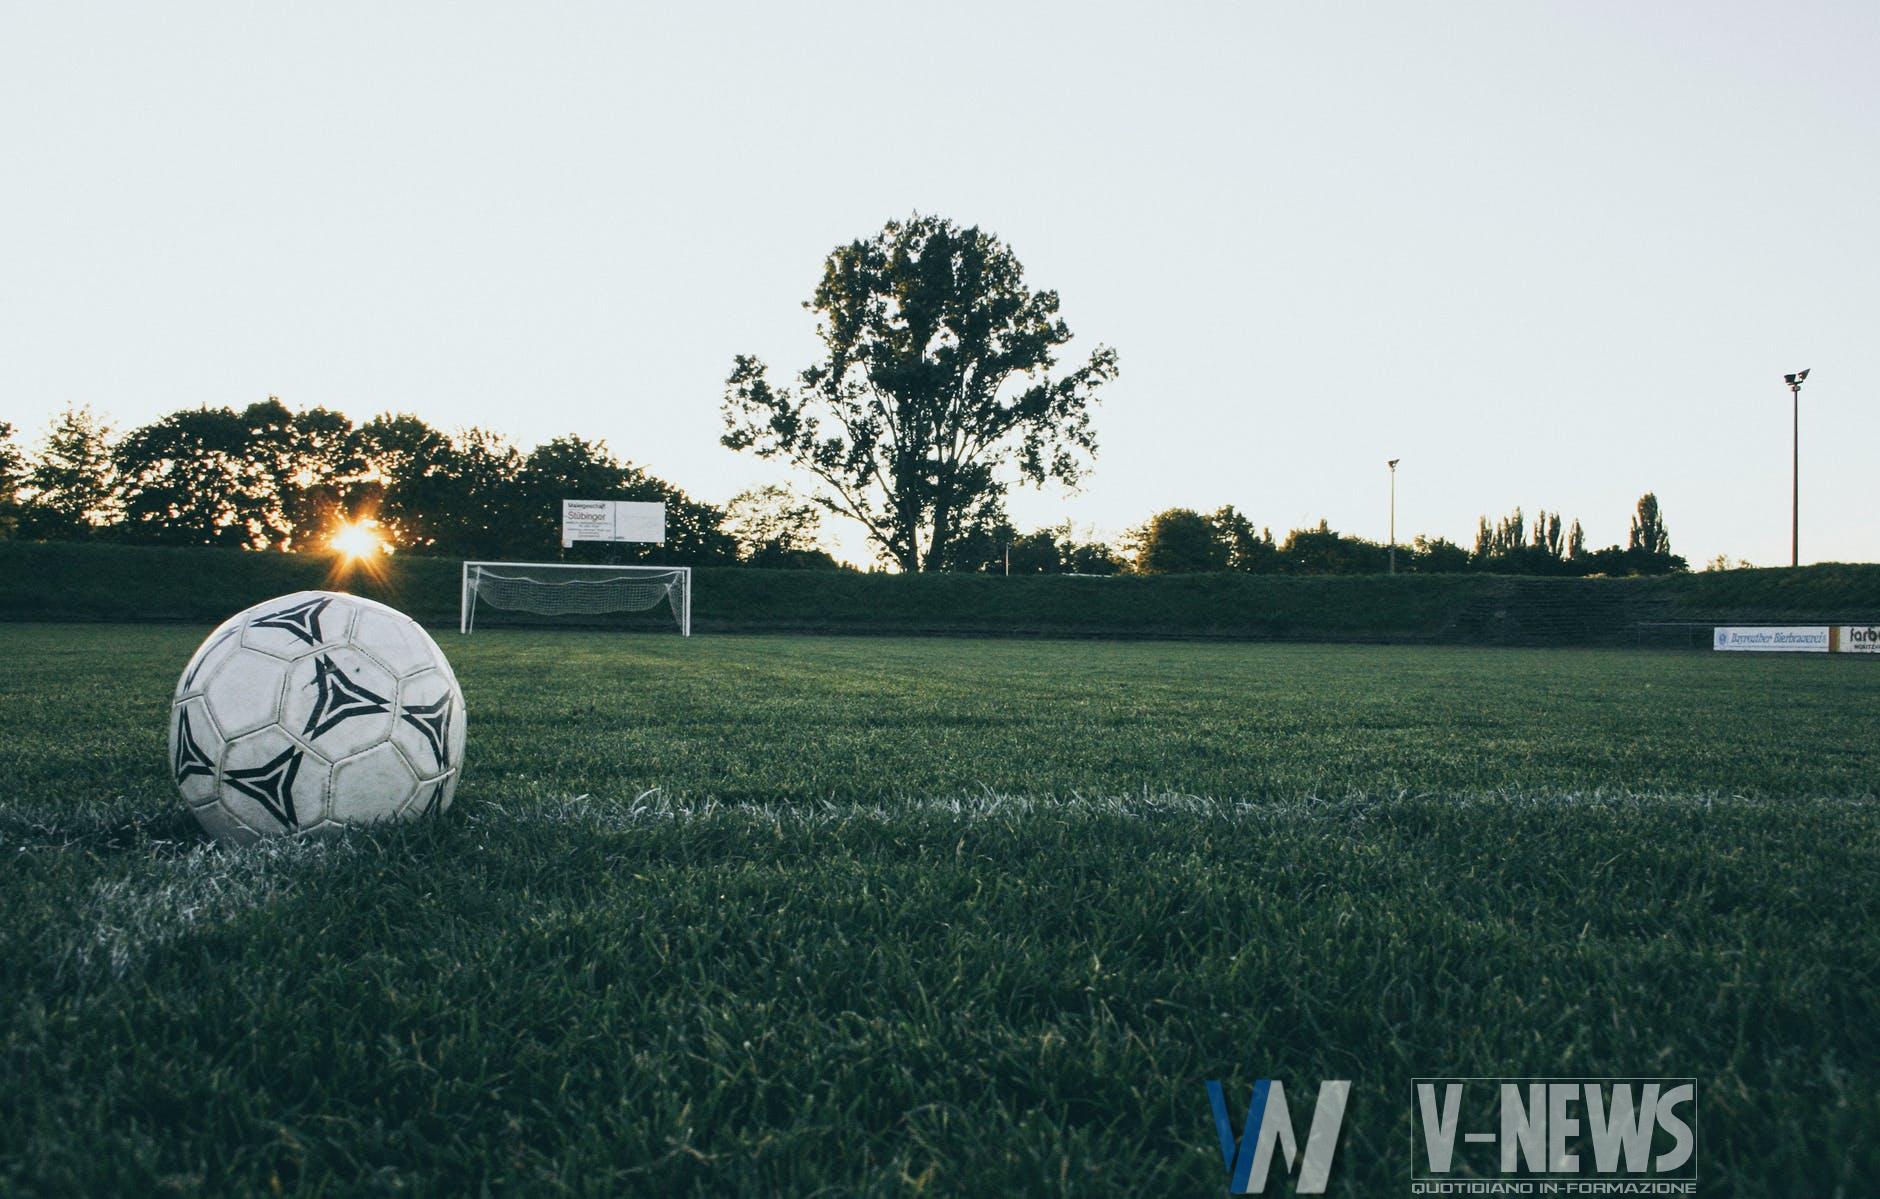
(1548, 255)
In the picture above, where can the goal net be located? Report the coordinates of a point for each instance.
(575, 594)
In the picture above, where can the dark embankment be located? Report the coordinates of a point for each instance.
(119, 582)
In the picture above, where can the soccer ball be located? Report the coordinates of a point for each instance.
(312, 712)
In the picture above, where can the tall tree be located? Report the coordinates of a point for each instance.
(1437, 555)
(475, 513)
(268, 468)
(979, 538)
(319, 475)
(1648, 546)
(71, 484)
(1178, 541)
(12, 475)
(936, 390)
(1092, 557)
(1549, 538)
(265, 477)
(298, 475)
(1248, 548)
(407, 468)
(188, 479)
(1039, 552)
(1509, 534)
(1511, 547)
(774, 526)
(1325, 551)
(1648, 528)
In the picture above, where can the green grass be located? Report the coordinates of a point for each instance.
(1831, 591)
(753, 915)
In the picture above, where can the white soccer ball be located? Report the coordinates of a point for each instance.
(313, 712)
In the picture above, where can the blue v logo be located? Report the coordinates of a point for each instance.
(1268, 1126)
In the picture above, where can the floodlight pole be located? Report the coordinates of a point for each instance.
(1393, 513)
(1795, 467)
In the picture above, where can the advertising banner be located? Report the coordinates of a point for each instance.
(586, 520)
(1807, 639)
(612, 520)
(1858, 639)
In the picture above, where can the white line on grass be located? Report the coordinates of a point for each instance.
(123, 920)
(654, 806)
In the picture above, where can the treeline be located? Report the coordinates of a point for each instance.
(1182, 540)
(266, 477)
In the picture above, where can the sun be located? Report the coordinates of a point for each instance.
(355, 539)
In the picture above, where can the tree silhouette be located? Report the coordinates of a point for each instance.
(936, 389)
(1248, 548)
(1648, 528)
(774, 526)
(407, 465)
(187, 479)
(71, 483)
(1322, 550)
(1178, 541)
(12, 475)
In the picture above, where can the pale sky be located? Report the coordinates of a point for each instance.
(1551, 255)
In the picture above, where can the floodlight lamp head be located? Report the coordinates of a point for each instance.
(1393, 463)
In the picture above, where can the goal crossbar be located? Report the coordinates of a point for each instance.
(588, 590)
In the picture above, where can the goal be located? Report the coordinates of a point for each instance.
(559, 589)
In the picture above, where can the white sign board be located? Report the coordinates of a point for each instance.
(1807, 639)
(1859, 639)
(586, 520)
(635, 521)
(612, 520)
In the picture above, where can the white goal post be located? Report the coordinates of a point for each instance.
(567, 589)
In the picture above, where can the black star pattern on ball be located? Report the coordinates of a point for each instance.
(189, 756)
(271, 784)
(302, 620)
(340, 698)
(433, 720)
(431, 800)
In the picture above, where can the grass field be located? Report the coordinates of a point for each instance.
(751, 915)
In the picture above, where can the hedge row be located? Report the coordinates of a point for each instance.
(119, 582)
